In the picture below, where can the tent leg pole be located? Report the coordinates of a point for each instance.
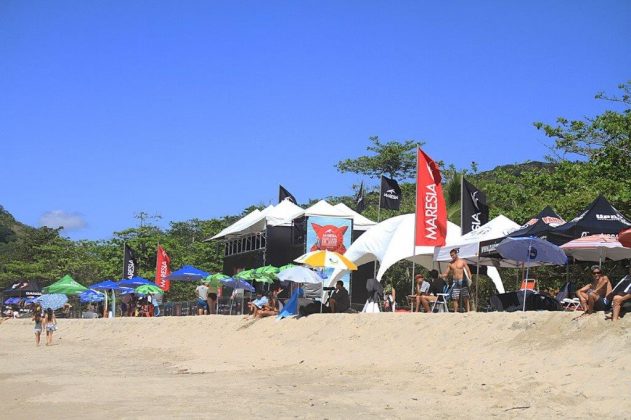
(477, 284)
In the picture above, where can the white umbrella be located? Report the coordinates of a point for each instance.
(596, 248)
(299, 274)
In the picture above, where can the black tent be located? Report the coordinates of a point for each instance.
(600, 217)
(539, 226)
(23, 289)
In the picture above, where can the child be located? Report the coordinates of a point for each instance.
(51, 326)
(37, 317)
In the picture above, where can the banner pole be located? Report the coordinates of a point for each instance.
(378, 220)
(462, 204)
(415, 219)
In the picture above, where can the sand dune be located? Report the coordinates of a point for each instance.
(324, 366)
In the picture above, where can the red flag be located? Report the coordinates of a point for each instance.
(162, 269)
(431, 212)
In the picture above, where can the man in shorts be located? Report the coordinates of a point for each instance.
(459, 269)
(202, 299)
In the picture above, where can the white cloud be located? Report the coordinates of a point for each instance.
(59, 218)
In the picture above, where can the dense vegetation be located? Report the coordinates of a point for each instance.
(587, 157)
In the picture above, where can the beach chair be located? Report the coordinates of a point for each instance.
(528, 284)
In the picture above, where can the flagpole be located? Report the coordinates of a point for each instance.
(462, 203)
(415, 218)
(378, 220)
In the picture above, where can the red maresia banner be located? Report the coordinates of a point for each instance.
(431, 212)
(163, 269)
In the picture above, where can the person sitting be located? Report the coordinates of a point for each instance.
(339, 301)
(422, 289)
(390, 298)
(592, 295)
(256, 305)
(437, 286)
(270, 308)
(619, 295)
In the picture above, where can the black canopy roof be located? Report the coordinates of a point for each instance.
(23, 289)
(540, 225)
(600, 217)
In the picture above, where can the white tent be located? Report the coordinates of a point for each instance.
(391, 241)
(322, 208)
(283, 213)
(252, 222)
(469, 244)
(359, 222)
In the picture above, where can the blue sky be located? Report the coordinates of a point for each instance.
(198, 109)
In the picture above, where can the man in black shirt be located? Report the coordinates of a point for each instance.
(339, 301)
(437, 286)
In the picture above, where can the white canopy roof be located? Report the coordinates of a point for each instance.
(469, 244)
(359, 222)
(322, 208)
(285, 212)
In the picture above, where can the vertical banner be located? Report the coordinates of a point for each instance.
(332, 234)
(390, 194)
(163, 269)
(474, 210)
(284, 194)
(130, 266)
(431, 212)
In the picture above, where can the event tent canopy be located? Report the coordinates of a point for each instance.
(391, 241)
(65, 285)
(284, 213)
(600, 217)
(540, 225)
(23, 288)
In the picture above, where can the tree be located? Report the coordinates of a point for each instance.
(393, 159)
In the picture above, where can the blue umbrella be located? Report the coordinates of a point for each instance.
(127, 290)
(52, 301)
(531, 251)
(134, 282)
(91, 296)
(238, 284)
(188, 273)
(105, 285)
(12, 301)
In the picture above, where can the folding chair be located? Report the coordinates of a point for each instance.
(571, 304)
(441, 304)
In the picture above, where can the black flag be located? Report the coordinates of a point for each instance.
(390, 194)
(130, 267)
(360, 199)
(283, 194)
(473, 208)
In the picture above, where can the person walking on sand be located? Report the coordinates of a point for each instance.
(51, 326)
(37, 317)
(459, 269)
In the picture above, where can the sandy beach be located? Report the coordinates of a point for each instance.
(324, 366)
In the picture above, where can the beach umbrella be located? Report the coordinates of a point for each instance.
(245, 275)
(625, 238)
(596, 248)
(105, 285)
(300, 274)
(266, 270)
(148, 289)
(12, 301)
(65, 285)
(237, 283)
(134, 282)
(52, 301)
(188, 273)
(91, 296)
(215, 279)
(326, 259)
(286, 266)
(531, 251)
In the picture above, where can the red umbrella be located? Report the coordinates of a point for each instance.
(625, 238)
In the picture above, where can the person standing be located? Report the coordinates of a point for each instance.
(37, 317)
(202, 298)
(51, 325)
(458, 269)
(211, 301)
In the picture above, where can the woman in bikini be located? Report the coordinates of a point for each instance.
(37, 317)
(51, 326)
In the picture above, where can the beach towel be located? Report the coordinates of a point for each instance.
(291, 306)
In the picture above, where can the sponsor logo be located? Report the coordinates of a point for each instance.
(475, 221)
(391, 194)
(431, 212)
(610, 218)
(475, 199)
(130, 269)
(533, 253)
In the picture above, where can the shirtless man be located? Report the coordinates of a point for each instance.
(591, 294)
(620, 294)
(458, 266)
